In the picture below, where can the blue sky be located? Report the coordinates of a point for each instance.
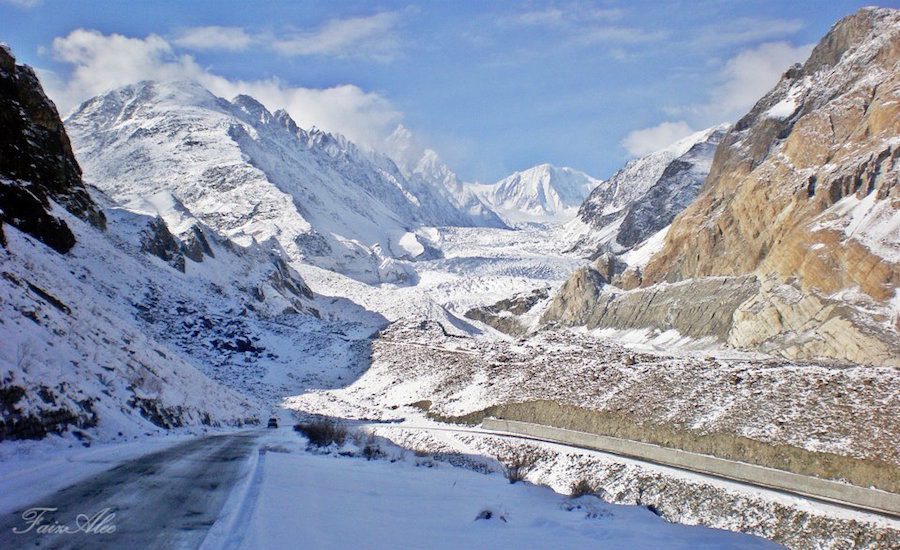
(492, 86)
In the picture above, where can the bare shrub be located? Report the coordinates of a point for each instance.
(487, 513)
(368, 444)
(322, 432)
(581, 488)
(372, 451)
(517, 466)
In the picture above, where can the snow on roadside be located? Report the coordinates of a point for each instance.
(326, 501)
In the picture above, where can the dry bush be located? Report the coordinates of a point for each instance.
(581, 488)
(322, 432)
(517, 466)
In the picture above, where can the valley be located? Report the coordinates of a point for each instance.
(179, 269)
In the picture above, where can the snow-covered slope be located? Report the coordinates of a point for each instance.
(81, 283)
(541, 194)
(256, 176)
(644, 196)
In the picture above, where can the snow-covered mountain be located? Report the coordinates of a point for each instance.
(90, 294)
(792, 245)
(644, 196)
(541, 194)
(255, 176)
(426, 167)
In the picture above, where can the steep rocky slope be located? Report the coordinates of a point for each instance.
(645, 195)
(802, 194)
(36, 161)
(256, 176)
(805, 185)
(805, 188)
(75, 354)
(541, 194)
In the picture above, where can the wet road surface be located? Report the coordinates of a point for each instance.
(166, 499)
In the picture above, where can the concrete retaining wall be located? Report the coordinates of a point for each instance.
(869, 499)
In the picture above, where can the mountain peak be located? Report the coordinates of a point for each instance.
(253, 108)
(541, 194)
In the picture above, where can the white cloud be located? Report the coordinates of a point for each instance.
(584, 25)
(574, 14)
(231, 39)
(745, 30)
(618, 35)
(641, 142)
(746, 77)
(103, 62)
(372, 37)
(24, 4)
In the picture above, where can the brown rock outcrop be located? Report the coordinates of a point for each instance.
(828, 131)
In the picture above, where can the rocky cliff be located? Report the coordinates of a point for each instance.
(803, 194)
(36, 161)
(805, 185)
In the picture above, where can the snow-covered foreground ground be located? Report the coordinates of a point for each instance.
(327, 502)
(266, 489)
(286, 496)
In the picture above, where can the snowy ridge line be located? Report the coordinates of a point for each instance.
(871, 500)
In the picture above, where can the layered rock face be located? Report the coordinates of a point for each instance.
(697, 308)
(805, 185)
(36, 161)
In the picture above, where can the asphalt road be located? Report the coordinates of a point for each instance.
(167, 499)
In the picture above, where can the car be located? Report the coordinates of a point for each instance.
(273, 422)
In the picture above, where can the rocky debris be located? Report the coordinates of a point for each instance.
(822, 408)
(504, 315)
(36, 161)
(56, 413)
(783, 319)
(697, 308)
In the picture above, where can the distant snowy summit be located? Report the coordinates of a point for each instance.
(541, 194)
(424, 166)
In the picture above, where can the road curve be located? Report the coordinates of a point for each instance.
(166, 499)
